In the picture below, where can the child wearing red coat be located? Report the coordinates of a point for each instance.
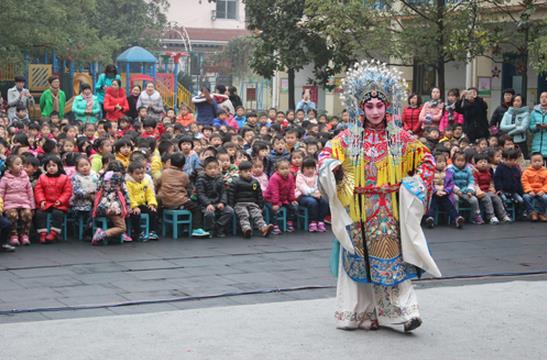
(52, 195)
(281, 193)
(115, 102)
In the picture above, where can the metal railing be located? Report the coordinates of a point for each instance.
(184, 96)
(9, 71)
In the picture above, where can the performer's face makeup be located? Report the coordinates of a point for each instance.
(375, 111)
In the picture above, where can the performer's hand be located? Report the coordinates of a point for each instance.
(210, 208)
(152, 208)
(275, 207)
(294, 203)
(136, 211)
(338, 173)
(43, 205)
(531, 193)
(220, 206)
(541, 193)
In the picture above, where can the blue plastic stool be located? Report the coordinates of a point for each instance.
(64, 226)
(103, 223)
(302, 218)
(176, 218)
(80, 221)
(235, 223)
(144, 223)
(461, 207)
(266, 214)
(464, 207)
(511, 207)
(439, 212)
(281, 217)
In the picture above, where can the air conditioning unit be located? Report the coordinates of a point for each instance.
(213, 15)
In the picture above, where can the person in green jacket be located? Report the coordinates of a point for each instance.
(515, 123)
(105, 80)
(538, 126)
(53, 99)
(86, 107)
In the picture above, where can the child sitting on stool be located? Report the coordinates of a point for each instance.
(245, 195)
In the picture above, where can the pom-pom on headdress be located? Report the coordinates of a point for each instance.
(368, 80)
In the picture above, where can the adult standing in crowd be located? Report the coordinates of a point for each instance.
(86, 106)
(206, 107)
(234, 97)
(538, 126)
(515, 123)
(497, 115)
(132, 99)
(150, 98)
(53, 99)
(306, 104)
(105, 80)
(18, 96)
(432, 111)
(474, 109)
(223, 100)
(115, 102)
(411, 114)
(451, 117)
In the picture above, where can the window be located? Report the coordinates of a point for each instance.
(424, 79)
(226, 9)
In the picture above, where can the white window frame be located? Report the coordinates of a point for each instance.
(225, 2)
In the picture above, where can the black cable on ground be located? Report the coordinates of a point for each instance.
(243, 293)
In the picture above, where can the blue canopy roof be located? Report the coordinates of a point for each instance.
(136, 54)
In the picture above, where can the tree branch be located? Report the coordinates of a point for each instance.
(417, 11)
(492, 58)
(398, 20)
(504, 9)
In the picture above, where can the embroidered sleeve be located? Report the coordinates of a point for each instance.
(425, 165)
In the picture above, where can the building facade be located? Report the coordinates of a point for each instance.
(222, 14)
(488, 75)
(203, 29)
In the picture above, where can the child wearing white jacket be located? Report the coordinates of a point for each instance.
(308, 195)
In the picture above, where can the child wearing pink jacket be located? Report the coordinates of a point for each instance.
(281, 193)
(307, 192)
(18, 197)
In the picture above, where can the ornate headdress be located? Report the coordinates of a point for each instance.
(368, 80)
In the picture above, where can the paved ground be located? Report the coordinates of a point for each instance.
(172, 275)
(488, 321)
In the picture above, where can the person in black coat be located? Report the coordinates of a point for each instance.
(507, 177)
(234, 97)
(495, 120)
(213, 197)
(474, 110)
(132, 101)
(245, 196)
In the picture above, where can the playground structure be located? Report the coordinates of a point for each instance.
(135, 66)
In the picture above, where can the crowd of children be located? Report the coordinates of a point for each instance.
(237, 165)
(489, 175)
